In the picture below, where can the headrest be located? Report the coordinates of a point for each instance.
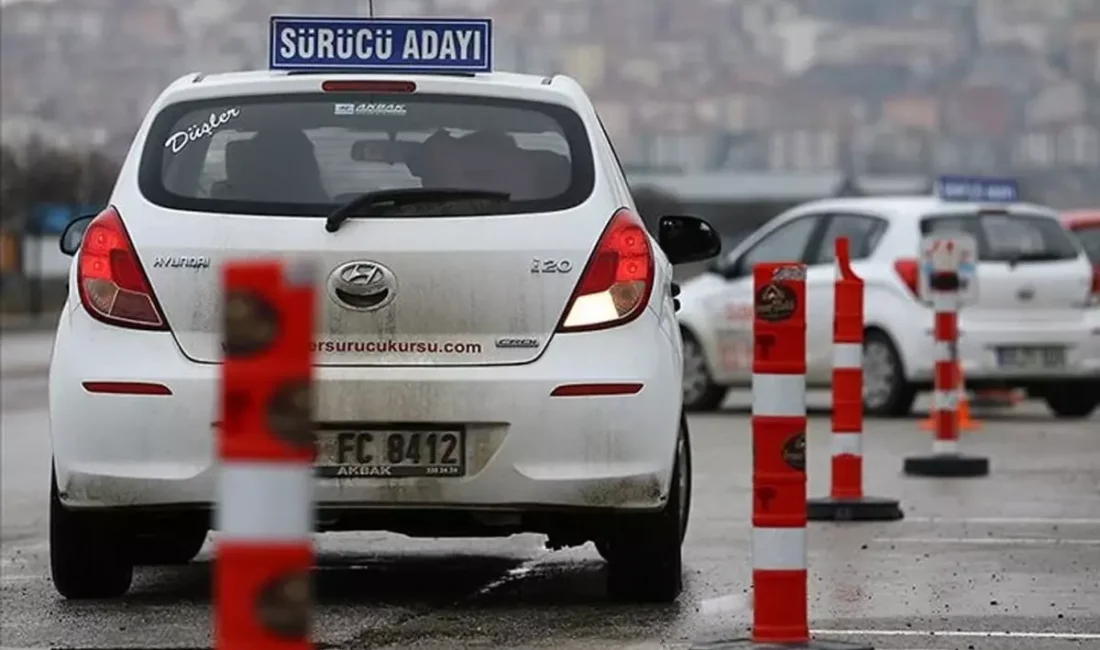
(282, 142)
(491, 140)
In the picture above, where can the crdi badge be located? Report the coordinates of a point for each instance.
(379, 45)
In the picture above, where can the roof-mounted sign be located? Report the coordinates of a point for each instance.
(420, 45)
(978, 190)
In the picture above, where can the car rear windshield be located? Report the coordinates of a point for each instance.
(306, 154)
(1090, 238)
(1004, 237)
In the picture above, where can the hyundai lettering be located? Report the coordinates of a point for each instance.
(496, 341)
(1033, 321)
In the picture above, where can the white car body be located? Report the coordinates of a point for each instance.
(536, 462)
(1062, 306)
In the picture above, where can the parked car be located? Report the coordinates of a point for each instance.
(1086, 225)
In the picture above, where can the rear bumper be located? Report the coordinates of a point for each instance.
(978, 343)
(525, 449)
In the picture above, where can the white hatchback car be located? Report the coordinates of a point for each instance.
(487, 280)
(1036, 324)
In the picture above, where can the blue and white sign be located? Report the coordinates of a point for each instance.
(421, 45)
(978, 190)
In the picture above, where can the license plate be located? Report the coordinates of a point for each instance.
(1040, 358)
(391, 453)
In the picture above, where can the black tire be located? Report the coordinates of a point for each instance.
(643, 552)
(172, 547)
(898, 399)
(87, 552)
(710, 395)
(1074, 401)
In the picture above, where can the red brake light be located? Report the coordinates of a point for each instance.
(617, 281)
(909, 272)
(109, 278)
(359, 86)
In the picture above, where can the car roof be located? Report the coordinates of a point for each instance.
(912, 207)
(197, 85)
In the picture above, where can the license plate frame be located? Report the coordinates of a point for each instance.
(1031, 357)
(435, 452)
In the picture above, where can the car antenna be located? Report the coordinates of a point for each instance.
(370, 8)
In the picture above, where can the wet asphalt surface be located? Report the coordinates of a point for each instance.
(1007, 562)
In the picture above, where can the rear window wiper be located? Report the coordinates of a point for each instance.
(405, 196)
(1049, 256)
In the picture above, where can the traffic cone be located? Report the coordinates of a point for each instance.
(962, 413)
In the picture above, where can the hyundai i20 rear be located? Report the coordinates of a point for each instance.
(496, 346)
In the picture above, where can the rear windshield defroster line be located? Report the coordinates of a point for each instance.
(1004, 237)
(304, 154)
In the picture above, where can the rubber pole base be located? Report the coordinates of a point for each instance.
(749, 644)
(861, 509)
(947, 466)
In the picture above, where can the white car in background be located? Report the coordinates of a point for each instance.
(496, 345)
(1036, 324)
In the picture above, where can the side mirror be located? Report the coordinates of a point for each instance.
(687, 239)
(73, 234)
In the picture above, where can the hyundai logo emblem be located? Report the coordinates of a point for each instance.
(362, 286)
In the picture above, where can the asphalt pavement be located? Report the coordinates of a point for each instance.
(1007, 562)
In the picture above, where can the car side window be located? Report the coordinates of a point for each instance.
(863, 232)
(786, 243)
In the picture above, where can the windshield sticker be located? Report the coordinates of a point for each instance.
(196, 132)
(396, 110)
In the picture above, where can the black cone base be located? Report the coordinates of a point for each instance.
(862, 509)
(947, 466)
(748, 644)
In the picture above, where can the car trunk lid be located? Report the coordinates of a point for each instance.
(462, 291)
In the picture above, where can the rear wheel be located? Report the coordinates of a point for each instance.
(87, 552)
(643, 552)
(1073, 401)
(886, 393)
(700, 391)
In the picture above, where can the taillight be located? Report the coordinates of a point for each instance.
(112, 285)
(909, 272)
(617, 281)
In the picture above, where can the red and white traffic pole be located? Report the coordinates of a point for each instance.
(780, 596)
(945, 460)
(846, 501)
(264, 550)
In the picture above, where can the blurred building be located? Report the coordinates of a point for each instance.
(694, 86)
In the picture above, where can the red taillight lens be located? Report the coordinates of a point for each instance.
(357, 86)
(617, 281)
(112, 285)
(909, 272)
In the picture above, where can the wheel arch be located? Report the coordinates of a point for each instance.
(875, 328)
